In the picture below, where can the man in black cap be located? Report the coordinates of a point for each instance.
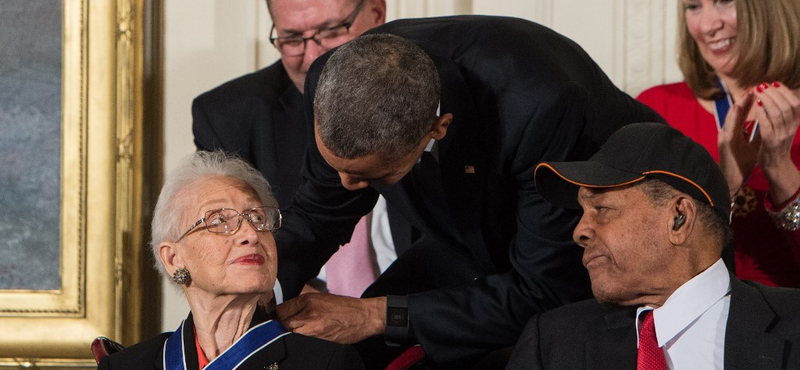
(655, 221)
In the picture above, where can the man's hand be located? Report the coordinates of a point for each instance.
(339, 319)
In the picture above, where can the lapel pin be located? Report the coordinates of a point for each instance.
(469, 169)
(272, 366)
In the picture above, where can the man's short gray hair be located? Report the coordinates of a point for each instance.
(171, 204)
(376, 94)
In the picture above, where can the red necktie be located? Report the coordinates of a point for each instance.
(350, 270)
(651, 356)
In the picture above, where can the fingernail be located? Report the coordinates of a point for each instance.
(776, 84)
(763, 85)
(760, 104)
(759, 89)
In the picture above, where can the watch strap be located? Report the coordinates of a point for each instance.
(396, 319)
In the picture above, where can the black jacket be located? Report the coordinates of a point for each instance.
(259, 117)
(762, 329)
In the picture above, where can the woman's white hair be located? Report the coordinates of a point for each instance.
(169, 209)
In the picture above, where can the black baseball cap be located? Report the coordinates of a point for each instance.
(633, 153)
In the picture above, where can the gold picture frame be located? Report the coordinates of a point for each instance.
(104, 197)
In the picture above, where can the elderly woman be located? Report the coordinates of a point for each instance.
(212, 233)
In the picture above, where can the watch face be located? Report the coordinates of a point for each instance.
(397, 316)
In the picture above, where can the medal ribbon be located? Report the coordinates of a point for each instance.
(722, 105)
(252, 341)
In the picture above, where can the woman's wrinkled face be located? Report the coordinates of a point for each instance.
(712, 24)
(243, 262)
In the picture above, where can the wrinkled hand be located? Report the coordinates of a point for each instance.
(737, 155)
(777, 110)
(339, 319)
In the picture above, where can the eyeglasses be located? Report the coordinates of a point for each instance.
(228, 220)
(295, 45)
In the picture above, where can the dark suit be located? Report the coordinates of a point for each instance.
(259, 117)
(762, 329)
(494, 252)
(292, 351)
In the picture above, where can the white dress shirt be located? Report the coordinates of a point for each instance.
(381, 235)
(690, 326)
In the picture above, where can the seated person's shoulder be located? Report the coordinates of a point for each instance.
(785, 301)
(147, 352)
(555, 336)
(574, 317)
(586, 308)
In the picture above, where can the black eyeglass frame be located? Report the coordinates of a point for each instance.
(347, 24)
(247, 214)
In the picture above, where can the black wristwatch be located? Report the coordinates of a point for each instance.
(396, 319)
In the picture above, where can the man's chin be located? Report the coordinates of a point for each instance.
(607, 295)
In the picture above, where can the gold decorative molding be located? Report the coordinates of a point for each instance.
(102, 194)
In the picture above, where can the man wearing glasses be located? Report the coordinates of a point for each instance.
(259, 116)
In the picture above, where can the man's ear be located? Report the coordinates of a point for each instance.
(169, 258)
(440, 125)
(376, 12)
(682, 220)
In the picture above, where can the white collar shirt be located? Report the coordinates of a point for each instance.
(690, 326)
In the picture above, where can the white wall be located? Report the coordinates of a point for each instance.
(208, 42)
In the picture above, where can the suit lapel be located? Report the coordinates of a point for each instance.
(158, 363)
(748, 341)
(612, 344)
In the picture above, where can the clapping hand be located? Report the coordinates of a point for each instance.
(737, 153)
(777, 110)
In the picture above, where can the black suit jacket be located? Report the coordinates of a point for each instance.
(259, 117)
(292, 351)
(762, 329)
(519, 94)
